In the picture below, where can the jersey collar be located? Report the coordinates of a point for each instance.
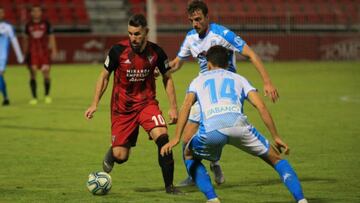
(207, 32)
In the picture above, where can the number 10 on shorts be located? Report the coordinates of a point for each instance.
(159, 119)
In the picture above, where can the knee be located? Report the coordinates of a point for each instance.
(120, 161)
(272, 157)
(120, 157)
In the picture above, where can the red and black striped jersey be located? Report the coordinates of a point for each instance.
(134, 82)
(38, 34)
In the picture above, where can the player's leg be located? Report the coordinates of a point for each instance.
(160, 136)
(33, 63)
(152, 121)
(193, 125)
(248, 139)
(202, 179)
(190, 129)
(115, 154)
(45, 69)
(207, 146)
(286, 172)
(3, 84)
(33, 85)
(121, 154)
(124, 133)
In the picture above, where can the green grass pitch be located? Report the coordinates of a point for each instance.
(47, 151)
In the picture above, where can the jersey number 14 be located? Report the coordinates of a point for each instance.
(227, 90)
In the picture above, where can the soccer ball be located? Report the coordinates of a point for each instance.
(99, 183)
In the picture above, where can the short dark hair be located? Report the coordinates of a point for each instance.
(137, 20)
(197, 5)
(36, 6)
(218, 56)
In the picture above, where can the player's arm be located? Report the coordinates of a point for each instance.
(176, 64)
(183, 53)
(16, 47)
(265, 115)
(110, 64)
(25, 41)
(164, 69)
(52, 40)
(100, 88)
(269, 89)
(53, 45)
(170, 91)
(183, 117)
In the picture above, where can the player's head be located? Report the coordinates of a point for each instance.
(2, 13)
(138, 30)
(198, 15)
(36, 12)
(217, 57)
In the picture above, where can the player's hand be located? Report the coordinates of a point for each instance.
(173, 114)
(281, 146)
(156, 72)
(271, 92)
(54, 54)
(166, 149)
(89, 113)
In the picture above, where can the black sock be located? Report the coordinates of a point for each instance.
(33, 88)
(47, 86)
(166, 162)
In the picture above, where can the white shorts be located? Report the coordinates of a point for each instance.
(209, 145)
(195, 113)
(248, 139)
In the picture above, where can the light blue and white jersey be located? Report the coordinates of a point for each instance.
(221, 96)
(7, 35)
(217, 35)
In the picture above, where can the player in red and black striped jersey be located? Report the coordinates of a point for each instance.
(133, 101)
(38, 38)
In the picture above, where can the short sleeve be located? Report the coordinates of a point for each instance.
(184, 51)
(192, 87)
(162, 60)
(112, 59)
(236, 41)
(247, 86)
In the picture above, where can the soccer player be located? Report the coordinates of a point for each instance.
(39, 37)
(7, 35)
(133, 101)
(197, 41)
(221, 94)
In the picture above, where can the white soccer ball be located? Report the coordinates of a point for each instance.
(99, 183)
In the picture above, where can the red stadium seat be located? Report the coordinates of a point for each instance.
(264, 12)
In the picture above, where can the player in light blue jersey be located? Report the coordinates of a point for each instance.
(196, 43)
(221, 95)
(7, 35)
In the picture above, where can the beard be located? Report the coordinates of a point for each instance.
(137, 47)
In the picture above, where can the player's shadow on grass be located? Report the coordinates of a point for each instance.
(241, 185)
(315, 200)
(50, 129)
(274, 182)
(185, 190)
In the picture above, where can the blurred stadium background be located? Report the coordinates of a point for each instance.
(276, 29)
